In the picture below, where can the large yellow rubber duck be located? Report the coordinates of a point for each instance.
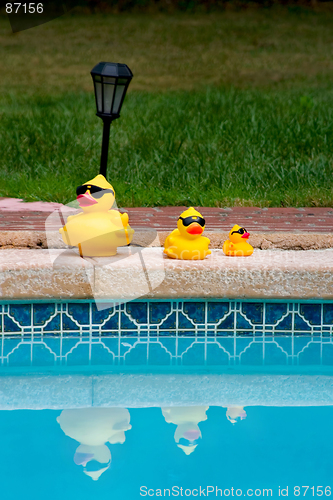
(186, 242)
(236, 245)
(98, 230)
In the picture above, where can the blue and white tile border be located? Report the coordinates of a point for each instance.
(166, 333)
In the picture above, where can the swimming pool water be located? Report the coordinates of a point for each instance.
(166, 399)
(166, 333)
(272, 447)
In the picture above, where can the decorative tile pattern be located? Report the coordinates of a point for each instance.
(166, 333)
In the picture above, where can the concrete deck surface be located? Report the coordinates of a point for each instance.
(147, 273)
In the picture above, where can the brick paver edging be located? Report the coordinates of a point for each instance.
(294, 220)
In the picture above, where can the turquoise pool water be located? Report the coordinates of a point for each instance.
(166, 399)
(271, 448)
(166, 333)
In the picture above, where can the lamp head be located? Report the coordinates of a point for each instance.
(111, 81)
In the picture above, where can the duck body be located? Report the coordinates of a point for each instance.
(105, 231)
(236, 245)
(186, 242)
(97, 231)
(178, 247)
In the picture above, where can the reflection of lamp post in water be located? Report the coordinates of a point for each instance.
(111, 81)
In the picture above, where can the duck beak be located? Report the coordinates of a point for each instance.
(192, 435)
(246, 236)
(194, 228)
(83, 458)
(85, 200)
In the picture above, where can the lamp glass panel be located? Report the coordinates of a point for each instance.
(107, 79)
(108, 96)
(117, 98)
(99, 97)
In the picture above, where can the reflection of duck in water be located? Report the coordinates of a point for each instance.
(235, 413)
(187, 419)
(93, 427)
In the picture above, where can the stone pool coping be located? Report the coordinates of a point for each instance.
(60, 391)
(137, 273)
(262, 240)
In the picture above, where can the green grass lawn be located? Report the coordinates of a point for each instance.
(224, 109)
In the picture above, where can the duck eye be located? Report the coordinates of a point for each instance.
(242, 230)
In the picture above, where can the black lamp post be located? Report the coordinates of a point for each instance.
(110, 82)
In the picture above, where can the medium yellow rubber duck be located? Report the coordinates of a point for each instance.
(98, 230)
(186, 242)
(236, 245)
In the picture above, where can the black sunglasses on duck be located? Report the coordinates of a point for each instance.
(95, 191)
(242, 230)
(189, 220)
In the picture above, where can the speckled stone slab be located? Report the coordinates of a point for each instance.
(44, 274)
(148, 273)
(266, 274)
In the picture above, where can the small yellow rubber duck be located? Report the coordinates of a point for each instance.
(186, 242)
(98, 230)
(237, 245)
